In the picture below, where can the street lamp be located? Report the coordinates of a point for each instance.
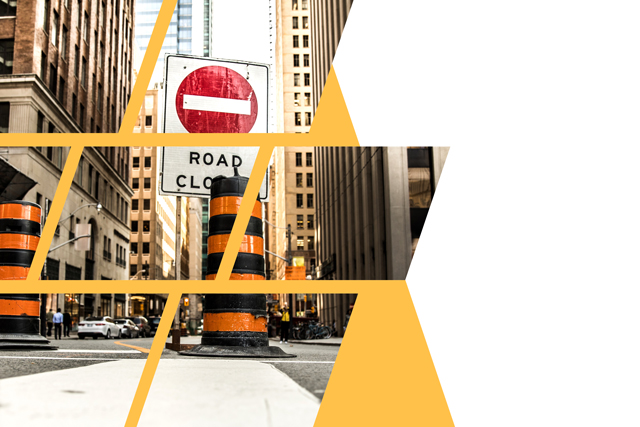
(98, 207)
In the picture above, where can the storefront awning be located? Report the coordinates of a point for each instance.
(14, 185)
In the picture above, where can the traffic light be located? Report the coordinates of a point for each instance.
(186, 302)
(145, 270)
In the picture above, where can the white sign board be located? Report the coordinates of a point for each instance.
(207, 95)
(188, 171)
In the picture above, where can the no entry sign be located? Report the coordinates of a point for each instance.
(205, 95)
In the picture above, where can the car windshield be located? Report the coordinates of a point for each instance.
(136, 321)
(93, 319)
(155, 321)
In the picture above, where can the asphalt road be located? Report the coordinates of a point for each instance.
(311, 368)
(71, 353)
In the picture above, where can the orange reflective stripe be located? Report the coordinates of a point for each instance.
(10, 307)
(237, 276)
(230, 205)
(19, 241)
(250, 244)
(13, 273)
(16, 211)
(234, 322)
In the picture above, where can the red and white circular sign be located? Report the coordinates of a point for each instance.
(216, 99)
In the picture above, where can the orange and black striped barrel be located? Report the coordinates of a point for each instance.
(19, 237)
(226, 196)
(234, 319)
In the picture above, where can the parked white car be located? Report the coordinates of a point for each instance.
(98, 327)
(128, 329)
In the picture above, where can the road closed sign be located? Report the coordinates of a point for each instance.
(189, 171)
(206, 95)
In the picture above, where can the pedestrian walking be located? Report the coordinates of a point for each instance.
(57, 324)
(284, 323)
(67, 324)
(49, 322)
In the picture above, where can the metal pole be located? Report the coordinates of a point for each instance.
(289, 245)
(178, 258)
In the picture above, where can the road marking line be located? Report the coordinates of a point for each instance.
(55, 358)
(140, 349)
(293, 361)
(68, 350)
(216, 105)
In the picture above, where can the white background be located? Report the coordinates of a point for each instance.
(526, 276)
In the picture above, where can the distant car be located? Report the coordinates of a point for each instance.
(98, 327)
(128, 329)
(154, 322)
(143, 324)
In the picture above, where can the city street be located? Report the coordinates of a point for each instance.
(71, 353)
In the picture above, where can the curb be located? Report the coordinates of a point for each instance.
(316, 342)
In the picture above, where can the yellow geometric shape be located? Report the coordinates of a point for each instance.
(384, 375)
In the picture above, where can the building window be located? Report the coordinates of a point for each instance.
(134, 226)
(82, 117)
(296, 79)
(147, 204)
(86, 27)
(136, 162)
(147, 183)
(76, 68)
(294, 4)
(309, 222)
(8, 7)
(298, 119)
(148, 121)
(147, 162)
(306, 60)
(296, 60)
(135, 183)
(309, 179)
(145, 247)
(43, 66)
(296, 41)
(305, 41)
(6, 56)
(300, 222)
(54, 30)
(305, 4)
(134, 204)
(307, 118)
(74, 107)
(83, 78)
(309, 200)
(295, 22)
(296, 99)
(53, 78)
(61, 91)
(310, 243)
(134, 247)
(307, 99)
(300, 242)
(305, 22)
(79, 14)
(146, 226)
(307, 79)
(299, 203)
(298, 159)
(4, 117)
(298, 180)
(309, 161)
(40, 128)
(45, 16)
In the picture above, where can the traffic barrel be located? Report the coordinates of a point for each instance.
(19, 238)
(235, 325)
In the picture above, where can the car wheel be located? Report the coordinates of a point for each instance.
(108, 337)
(95, 337)
(80, 337)
(120, 334)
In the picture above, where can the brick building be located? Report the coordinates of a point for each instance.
(65, 65)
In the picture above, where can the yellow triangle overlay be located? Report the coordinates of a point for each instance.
(332, 119)
(384, 375)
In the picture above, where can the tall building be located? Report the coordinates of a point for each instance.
(184, 35)
(292, 203)
(293, 66)
(328, 19)
(65, 66)
(97, 204)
